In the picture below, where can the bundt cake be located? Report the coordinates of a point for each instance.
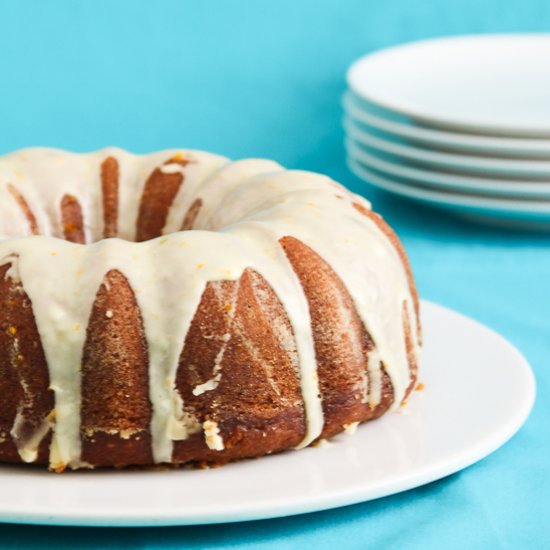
(177, 307)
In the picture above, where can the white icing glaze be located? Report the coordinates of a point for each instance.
(28, 447)
(247, 206)
(350, 429)
(212, 384)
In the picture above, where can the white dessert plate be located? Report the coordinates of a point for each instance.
(433, 437)
(512, 212)
(495, 84)
(466, 164)
(454, 182)
(400, 127)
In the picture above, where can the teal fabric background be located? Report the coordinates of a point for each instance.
(264, 78)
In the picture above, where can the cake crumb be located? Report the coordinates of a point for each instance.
(350, 428)
(420, 386)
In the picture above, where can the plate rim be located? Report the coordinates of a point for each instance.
(313, 503)
(510, 190)
(450, 200)
(459, 142)
(448, 122)
(524, 168)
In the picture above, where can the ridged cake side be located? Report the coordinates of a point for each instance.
(27, 402)
(115, 410)
(259, 310)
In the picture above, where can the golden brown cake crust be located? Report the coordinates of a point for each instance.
(158, 195)
(240, 331)
(191, 215)
(24, 378)
(31, 219)
(115, 411)
(109, 193)
(342, 344)
(71, 220)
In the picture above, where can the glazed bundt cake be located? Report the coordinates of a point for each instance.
(177, 307)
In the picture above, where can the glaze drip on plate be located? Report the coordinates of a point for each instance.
(282, 285)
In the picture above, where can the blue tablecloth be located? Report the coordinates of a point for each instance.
(265, 78)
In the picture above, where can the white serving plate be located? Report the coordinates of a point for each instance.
(495, 84)
(465, 164)
(454, 182)
(512, 212)
(463, 362)
(394, 125)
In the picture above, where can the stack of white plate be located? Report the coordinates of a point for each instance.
(462, 123)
